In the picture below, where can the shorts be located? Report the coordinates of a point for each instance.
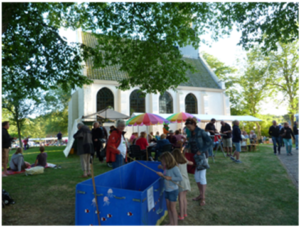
(5, 152)
(227, 142)
(200, 176)
(237, 147)
(172, 195)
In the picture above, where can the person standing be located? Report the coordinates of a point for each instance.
(6, 144)
(84, 147)
(171, 177)
(236, 139)
(280, 138)
(287, 134)
(185, 186)
(59, 138)
(274, 132)
(296, 133)
(104, 132)
(97, 135)
(227, 142)
(199, 143)
(210, 127)
(116, 148)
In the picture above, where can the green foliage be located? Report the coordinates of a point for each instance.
(221, 70)
(266, 23)
(139, 37)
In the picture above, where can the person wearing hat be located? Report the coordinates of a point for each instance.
(172, 138)
(210, 127)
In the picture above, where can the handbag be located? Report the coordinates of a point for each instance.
(201, 162)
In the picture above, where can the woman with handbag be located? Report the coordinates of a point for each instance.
(199, 142)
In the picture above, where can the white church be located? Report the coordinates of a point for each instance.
(202, 95)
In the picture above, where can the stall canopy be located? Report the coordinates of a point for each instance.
(107, 114)
(208, 117)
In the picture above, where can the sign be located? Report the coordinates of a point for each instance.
(150, 199)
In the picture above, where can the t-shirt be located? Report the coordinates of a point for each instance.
(210, 126)
(216, 138)
(225, 128)
(142, 142)
(42, 159)
(122, 147)
(59, 135)
(179, 137)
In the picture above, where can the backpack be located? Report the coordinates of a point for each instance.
(6, 199)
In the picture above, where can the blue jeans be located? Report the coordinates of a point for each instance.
(288, 145)
(296, 141)
(276, 140)
(210, 150)
(119, 161)
(281, 141)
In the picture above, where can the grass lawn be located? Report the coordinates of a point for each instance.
(256, 192)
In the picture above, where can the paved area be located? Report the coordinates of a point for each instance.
(291, 164)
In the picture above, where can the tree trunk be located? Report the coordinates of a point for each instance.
(19, 134)
(258, 130)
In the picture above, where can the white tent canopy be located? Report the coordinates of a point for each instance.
(208, 117)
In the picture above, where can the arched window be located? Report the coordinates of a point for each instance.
(105, 98)
(137, 102)
(191, 104)
(166, 103)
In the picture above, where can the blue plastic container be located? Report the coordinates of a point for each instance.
(122, 197)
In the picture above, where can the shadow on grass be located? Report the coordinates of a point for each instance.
(256, 192)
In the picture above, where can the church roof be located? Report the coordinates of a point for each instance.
(201, 78)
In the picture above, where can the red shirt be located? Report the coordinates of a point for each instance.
(142, 142)
(218, 136)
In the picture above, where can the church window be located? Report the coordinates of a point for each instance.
(165, 103)
(191, 104)
(137, 102)
(105, 98)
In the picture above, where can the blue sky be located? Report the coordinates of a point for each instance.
(227, 51)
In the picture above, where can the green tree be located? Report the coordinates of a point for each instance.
(284, 74)
(19, 110)
(229, 76)
(139, 37)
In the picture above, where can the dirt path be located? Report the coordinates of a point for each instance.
(291, 164)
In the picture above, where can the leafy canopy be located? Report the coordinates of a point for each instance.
(140, 39)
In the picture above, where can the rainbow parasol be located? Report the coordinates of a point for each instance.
(180, 117)
(146, 119)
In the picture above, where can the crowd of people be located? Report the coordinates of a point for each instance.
(193, 140)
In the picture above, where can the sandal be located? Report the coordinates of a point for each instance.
(83, 176)
(202, 202)
(185, 215)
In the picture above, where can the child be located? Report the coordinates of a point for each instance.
(171, 174)
(41, 159)
(185, 183)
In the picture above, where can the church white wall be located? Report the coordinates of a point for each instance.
(215, 104)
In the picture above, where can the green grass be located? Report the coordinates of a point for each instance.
(256, 192)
